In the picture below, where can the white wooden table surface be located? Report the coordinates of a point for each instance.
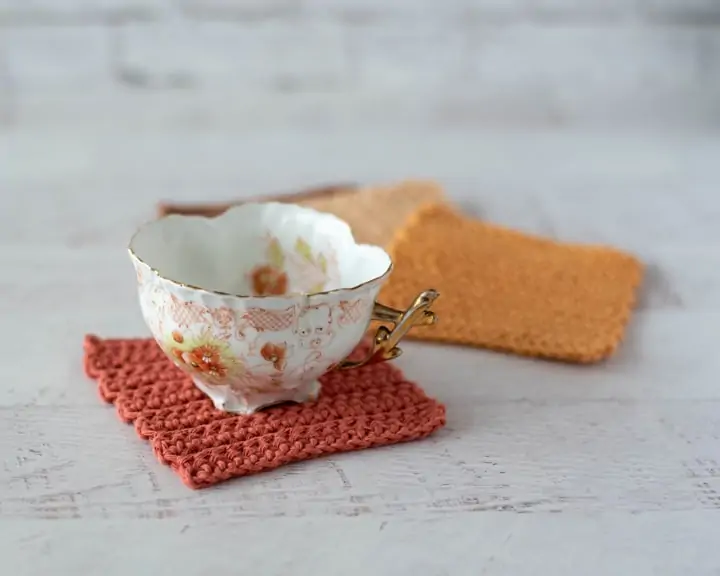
(542, 468)
(588, 121)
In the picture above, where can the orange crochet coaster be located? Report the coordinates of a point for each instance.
(361, 408)
(510, 291)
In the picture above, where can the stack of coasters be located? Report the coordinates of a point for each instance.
(374, 213)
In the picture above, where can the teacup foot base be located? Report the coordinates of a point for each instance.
(229, 401)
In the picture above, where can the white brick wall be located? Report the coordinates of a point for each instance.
(586, 63)
(87, 11)
(375, 9)
(263, 56)
(56, 58)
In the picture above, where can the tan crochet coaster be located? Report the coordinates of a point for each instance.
(360, 408)
(509, 291)
(374, 212)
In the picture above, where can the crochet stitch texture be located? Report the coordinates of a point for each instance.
(506, 290)
(360, 408)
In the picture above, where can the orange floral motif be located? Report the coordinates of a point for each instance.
(206, 359)
(203, 354)
(177, 354)
(269, 281)
(275, 353)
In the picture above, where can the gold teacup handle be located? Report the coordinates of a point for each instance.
(384, 346)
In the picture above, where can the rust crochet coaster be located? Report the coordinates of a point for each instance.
(362, 408)
(509, 291)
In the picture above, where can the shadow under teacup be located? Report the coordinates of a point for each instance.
(258, 303)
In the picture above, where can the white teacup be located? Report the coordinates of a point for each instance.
(258, 303)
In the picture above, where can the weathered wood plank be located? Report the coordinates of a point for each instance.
(522, 457)
(494, 544)
(543, 468)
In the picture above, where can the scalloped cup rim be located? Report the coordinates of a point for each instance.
(237, 212)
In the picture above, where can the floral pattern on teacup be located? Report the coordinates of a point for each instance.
(249, 350)
(309, 270)
(275, 354)
(299, 267)
(203, 354)
(267, 280)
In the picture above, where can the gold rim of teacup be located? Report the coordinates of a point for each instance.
(221, 293)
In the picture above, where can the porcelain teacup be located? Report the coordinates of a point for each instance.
(257, 303)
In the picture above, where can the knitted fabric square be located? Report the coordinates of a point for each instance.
(360, 408)
(509, 291)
